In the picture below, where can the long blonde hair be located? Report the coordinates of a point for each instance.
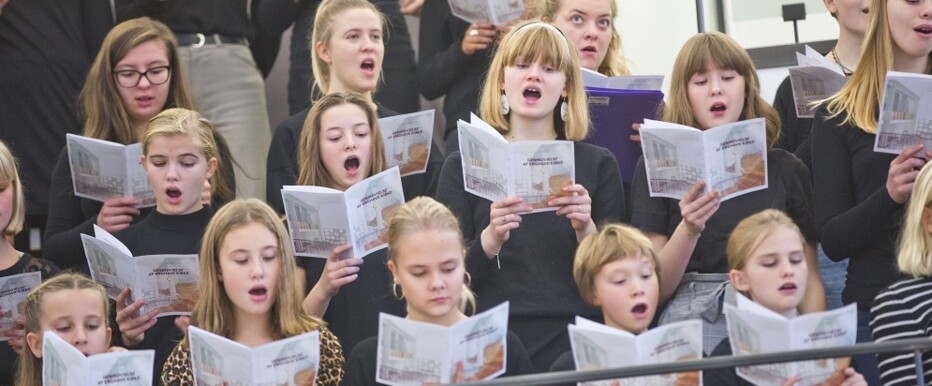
(751, 232)
(9, 178)
(914, 252)
(324, 19)
(614, 63)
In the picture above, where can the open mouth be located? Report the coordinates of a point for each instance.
(531, 94)
(145, 98)
(588, 49)
(173, 192)
(351, 163)
(368, 65)
(924, 29)
(718, 107)
(257, 291)
(788, 287)
(639, 309)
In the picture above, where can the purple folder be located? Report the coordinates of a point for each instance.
(612, 112)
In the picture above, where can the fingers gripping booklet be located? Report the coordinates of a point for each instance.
(64, 365)
(292, 361)
(101, 170)
(13, 292)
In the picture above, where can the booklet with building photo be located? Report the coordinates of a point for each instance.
(407, 139)
(905, 116)
(321, 219)
(730, 158)
(597, 346)
(13, 291)
(754, 329)
(63, 364)
(166, 282)
(418, 353)
(813, 79)
(220, 361)
(494, 169)
(497, 12)
(102, 170)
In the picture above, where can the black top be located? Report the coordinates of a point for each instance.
(160, 234)
(360, 366)
(228, 17)
(857, 217)
(794, 131)
(789, 190)
(725, 376)
(282, 165)
(564, 362)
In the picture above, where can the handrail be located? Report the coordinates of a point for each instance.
(916, 345)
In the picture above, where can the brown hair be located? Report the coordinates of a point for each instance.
(9, 179)
(613, 242)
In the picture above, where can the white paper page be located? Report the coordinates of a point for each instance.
(636, 82)
(835, 328)
(109, 266)
(484, 155)
(736, 158)
(103, 235)
(505, 11)
(410, 352)
(593, 78)
(812, 84)
(13, 292)
(751, 333)
(216, 359)
(479, 345)
(124, 368)
(167, 282)
(596, 348)
(673, 158)
(407, 140)
(137, 182)
(540, 171)
(674, 342)
(99, 170)
(370, 204)
(317, 219)
(62, 364)
(905, 113)
(290, 361)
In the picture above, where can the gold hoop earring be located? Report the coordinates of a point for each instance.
(468, 280)
(396, 291)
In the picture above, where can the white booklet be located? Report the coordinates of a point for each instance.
(166, 282)
(102, 170)
(905, 116)
(321, 219)
(754, 329)
(220, 361)
(497, 12)
(407, 140)
(494, 169)
(417, 353)
(13, 291)
(813, 79)
(63, 364)
(625, 82)
(597, 346)
(731, 158)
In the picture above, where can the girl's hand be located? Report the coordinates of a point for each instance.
(902, 173)
(133, 326)
(182, 323)
(115, 349)
(16, 335)
(504, 216)
(478, 37)
(117, 213)
(576, 205)
(338, 272)
(411, 7)
(636, 137)
(853, 378)
(696, 208)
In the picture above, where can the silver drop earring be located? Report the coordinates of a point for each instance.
(505, 108)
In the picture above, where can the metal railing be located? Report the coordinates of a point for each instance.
(916, 345)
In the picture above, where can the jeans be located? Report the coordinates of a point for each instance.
(702, 295)
(833, 279)
(866, 364)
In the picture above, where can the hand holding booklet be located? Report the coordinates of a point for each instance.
(321, 219)
(730, 158)
(813, 79)
(220, 361)
(597, 346)
(417, 353)
(497, 12)
(494, 169)
(166, 282)
(407, 139)
(63, 364)
(13, 291)
(905, 117)
(101, 170)
(754, 329)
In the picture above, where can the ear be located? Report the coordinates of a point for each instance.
(391, 268)
(211, 167)
(35, 344)
(109, 335)
(926, 220)
(323, 52)
(142, 161)
(830, 6)
(739, 280)
(596, 299)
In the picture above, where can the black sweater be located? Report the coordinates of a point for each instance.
(794, 131)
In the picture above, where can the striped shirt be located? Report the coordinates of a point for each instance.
(902, 311)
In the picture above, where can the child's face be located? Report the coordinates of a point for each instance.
(77, 316)
(775, 273)
(7, 191)
(852, 14)
(250, 264)
(429, 267)
(910, 29)
(354, 52)
(588, 24)
(346, 144)
(177, 169)
(627, 289)
(716, 96)
(144, 100)
(533, 88)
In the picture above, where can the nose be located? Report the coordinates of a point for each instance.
(591, 31)
(715, 86)
(437, 282)
(172, 171)
(80, 336)
(144, 82)
(350, 143)
(257, 271)
(534, 71)
(638, 288)
(787, 269)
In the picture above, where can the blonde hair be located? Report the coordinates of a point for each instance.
(614, 242)
(324, 19)
(697, 54)
(858, 102)
(214, 310)
(614, 63)
(102, 107)
(29, 371)
(421, 214)
(533, 40)
(9, 178)
(914, 252)
(751, 232)
(311, 168)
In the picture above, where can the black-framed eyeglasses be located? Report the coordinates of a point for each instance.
(130, 78)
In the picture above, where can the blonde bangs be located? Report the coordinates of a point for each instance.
(539, 43)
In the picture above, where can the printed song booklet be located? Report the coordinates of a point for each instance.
(597, 346)
(63, 364)
(102, 170)
(418, 353)
(905, 116)
(493, 168)
(13, 291)
(407, 140)
(220, 361)
(731, 158)
(321, 219)
(497, 12)
(754, 329)
(165, 282)
(813, 79)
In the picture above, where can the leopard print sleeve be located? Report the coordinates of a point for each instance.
(177, 370)
(330, 371)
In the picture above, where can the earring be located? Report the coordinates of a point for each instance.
(468, 280)
(396, 290)
(505, 108)
(563, 109)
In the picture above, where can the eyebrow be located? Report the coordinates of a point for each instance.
(584, 13)
(148, 65)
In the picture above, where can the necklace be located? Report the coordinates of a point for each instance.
(847, 71)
